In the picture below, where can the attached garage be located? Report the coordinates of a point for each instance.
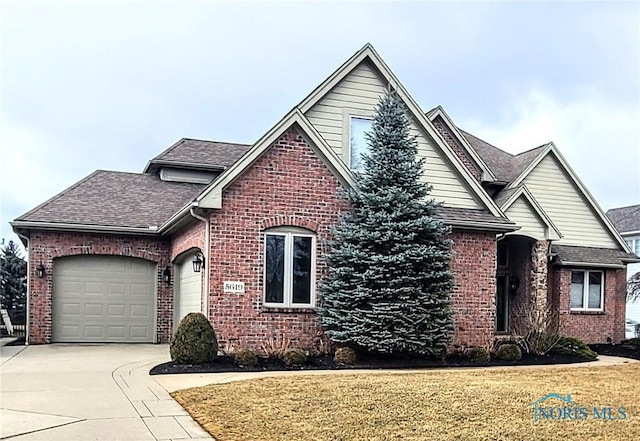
(188, 289)
(107, 299)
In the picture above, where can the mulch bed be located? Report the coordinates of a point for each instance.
(226, 364)
(622, 350)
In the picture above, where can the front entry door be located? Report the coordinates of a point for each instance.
(502, 304)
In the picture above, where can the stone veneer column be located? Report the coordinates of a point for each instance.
(539, 271)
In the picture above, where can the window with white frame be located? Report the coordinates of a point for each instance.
(358, 141)
(634, 245)
(289, 268)
(587, 290)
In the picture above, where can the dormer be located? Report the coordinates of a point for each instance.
(195, 161)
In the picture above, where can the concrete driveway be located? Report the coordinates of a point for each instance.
(88, 392)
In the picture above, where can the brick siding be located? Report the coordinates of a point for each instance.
(473, 298)
(591, 327)
(287, 186)
(457, 148)
(45, 247)
(192, 237)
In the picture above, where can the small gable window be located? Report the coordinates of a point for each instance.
(358, 141)
(587, 290)
(289, 269)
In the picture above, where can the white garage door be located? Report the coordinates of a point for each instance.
(103, 299)
(187, 290)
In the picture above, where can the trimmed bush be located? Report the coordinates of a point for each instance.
(195, 341)
(294, 357)
(574, 346)
(479, 355)
(509, 352)
(245, 357)
(633, 341)
(345, 356)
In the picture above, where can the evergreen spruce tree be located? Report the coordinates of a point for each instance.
(389, 282)
(13, 282)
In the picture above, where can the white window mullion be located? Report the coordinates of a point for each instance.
(288, 270)
(585, 290)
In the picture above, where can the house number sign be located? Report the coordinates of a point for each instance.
(234, 287)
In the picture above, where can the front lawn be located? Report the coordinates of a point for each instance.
(485, 404)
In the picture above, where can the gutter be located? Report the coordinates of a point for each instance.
(207, 255)
(591, 264)
(151, 230)
(484, 226)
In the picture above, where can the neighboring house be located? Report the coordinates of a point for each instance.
(627, 221)
(111, 258)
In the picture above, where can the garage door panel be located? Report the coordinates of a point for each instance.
(117, 311)
(116, 332)
(93, 310)
(140, 311)
(117, 289)
(103, 299)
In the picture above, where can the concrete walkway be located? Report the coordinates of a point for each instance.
(175, 382)
(89, 392)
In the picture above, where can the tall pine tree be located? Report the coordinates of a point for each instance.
(389, 282)
(13, 282)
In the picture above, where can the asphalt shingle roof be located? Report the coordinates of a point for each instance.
(574, 254)
(456, 215)
(505, 166)
(199, 152)
(625, 218)
(116, 199)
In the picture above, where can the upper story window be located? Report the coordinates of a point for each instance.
(634, 244)
(357, 140)
(587, 290)
(289, 269)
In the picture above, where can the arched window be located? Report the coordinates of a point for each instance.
(289, 268)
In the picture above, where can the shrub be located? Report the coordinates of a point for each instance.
(345, 356)
(194, 342)
(276, 347)
(633, 341)
(245, 357)
(509, 352)
(574, 346)
(538, 326)
(479, 355)
(295, 357)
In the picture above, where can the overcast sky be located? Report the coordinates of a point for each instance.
(92, 85)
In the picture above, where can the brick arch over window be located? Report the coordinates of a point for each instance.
(291, 220)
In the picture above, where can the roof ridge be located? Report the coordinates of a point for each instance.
(623, 208)
(532, 149)
(122, 172)
(59, 195)
(486, 142)
(220, 142)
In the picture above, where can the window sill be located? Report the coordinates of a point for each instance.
(586, 312)
(288, 310)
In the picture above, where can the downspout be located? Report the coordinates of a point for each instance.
(207, 255)
(26, 313)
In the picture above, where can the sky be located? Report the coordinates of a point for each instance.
(89, 85)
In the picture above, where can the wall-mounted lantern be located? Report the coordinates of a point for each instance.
(198, 262)
(166, 276)
(40, 271)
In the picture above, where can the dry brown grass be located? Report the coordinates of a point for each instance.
(436, 405)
